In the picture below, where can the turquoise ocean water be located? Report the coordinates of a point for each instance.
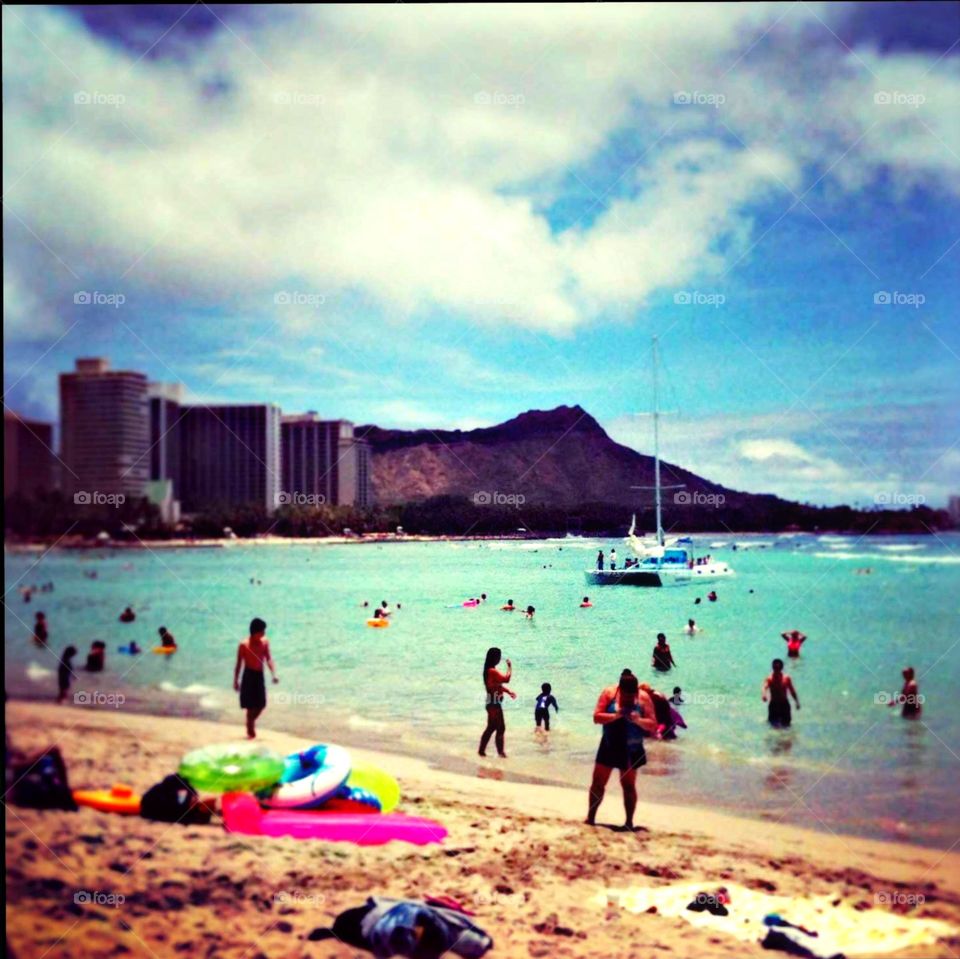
(848, 764)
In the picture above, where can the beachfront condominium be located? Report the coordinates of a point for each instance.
(228, 456)
(29, 463)
(324, 462)
(104, 431)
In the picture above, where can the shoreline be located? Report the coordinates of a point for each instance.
(379, 539)
(517, 854)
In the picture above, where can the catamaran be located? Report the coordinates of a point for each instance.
(659, 563)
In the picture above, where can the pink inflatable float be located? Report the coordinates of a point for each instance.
(242, 814)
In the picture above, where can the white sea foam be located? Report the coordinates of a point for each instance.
(38, 673)
(895, 558)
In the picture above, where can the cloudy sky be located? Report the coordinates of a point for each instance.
(443, 215)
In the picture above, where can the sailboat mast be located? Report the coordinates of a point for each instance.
(656, 438)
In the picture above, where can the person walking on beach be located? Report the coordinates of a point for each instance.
(545, 700)
(662, 657)
(625, 712)
(494, 685)
(795, 639)
(777, 687)
(65, 672)
(909, 697)
(252, 653)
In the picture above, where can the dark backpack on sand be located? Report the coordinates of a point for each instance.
(174, 800)
(41, 782)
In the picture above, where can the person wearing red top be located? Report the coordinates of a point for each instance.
(252, 653)
(494, 684)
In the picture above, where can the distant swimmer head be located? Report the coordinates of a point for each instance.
(696, 602)
(492, 658)
(691, 623)
(629, 688)
(70, 652)
(626, 672)
(546, 688)
(777, 665)
(530, 610)
(677, 690)
(483, 596)
(908, 673)
(257, 627)
(162, 630)
(661, 638)
(586, 599)
(383, 604)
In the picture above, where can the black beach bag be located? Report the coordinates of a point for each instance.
(174, 800)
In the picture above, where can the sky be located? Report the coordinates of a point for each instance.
(441, 216)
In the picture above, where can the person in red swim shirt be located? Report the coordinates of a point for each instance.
(252, 653)
(795, 639)
(586, 604)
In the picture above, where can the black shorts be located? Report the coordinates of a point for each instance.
(253, 689)
(620, 755)
(779, 714)
(542, 716)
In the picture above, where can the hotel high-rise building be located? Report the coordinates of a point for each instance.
(228, 455)
(165, 413)
(29, 463)
(105, 432)
(324, 462)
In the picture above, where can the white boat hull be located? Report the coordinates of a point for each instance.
(652, 576)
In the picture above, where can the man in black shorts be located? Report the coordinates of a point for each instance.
(778, 686)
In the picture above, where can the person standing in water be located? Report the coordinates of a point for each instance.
(909, 697)
(65, 672)
(494, 686)
(777, 687)
(795, 639)
(662, 657)
(252, 654)
(625, 712)
(40, 634)
(545, 700)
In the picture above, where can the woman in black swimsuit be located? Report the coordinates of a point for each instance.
(625, 712)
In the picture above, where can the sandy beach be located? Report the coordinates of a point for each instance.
(517, 855)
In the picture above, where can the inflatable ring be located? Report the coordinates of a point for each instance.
(379, 622)
(373, 780)
(120, 799)
(349, 799)
(164, 650)
(231, 768)
(309, 778)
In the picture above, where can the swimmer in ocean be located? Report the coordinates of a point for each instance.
(662, 657)
(795, 639)
(586, 604)
(692, 627)
(529, 612)
(909, 697)
(677, 698)
(509, 607)
(777, 687)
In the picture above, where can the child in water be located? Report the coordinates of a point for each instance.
(65, 672)
(529, 612)
(509, 607)
(677, 698)
(586, 604)
(544, 701)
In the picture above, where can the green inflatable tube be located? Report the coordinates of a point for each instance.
(376, 781)
(231, 768)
